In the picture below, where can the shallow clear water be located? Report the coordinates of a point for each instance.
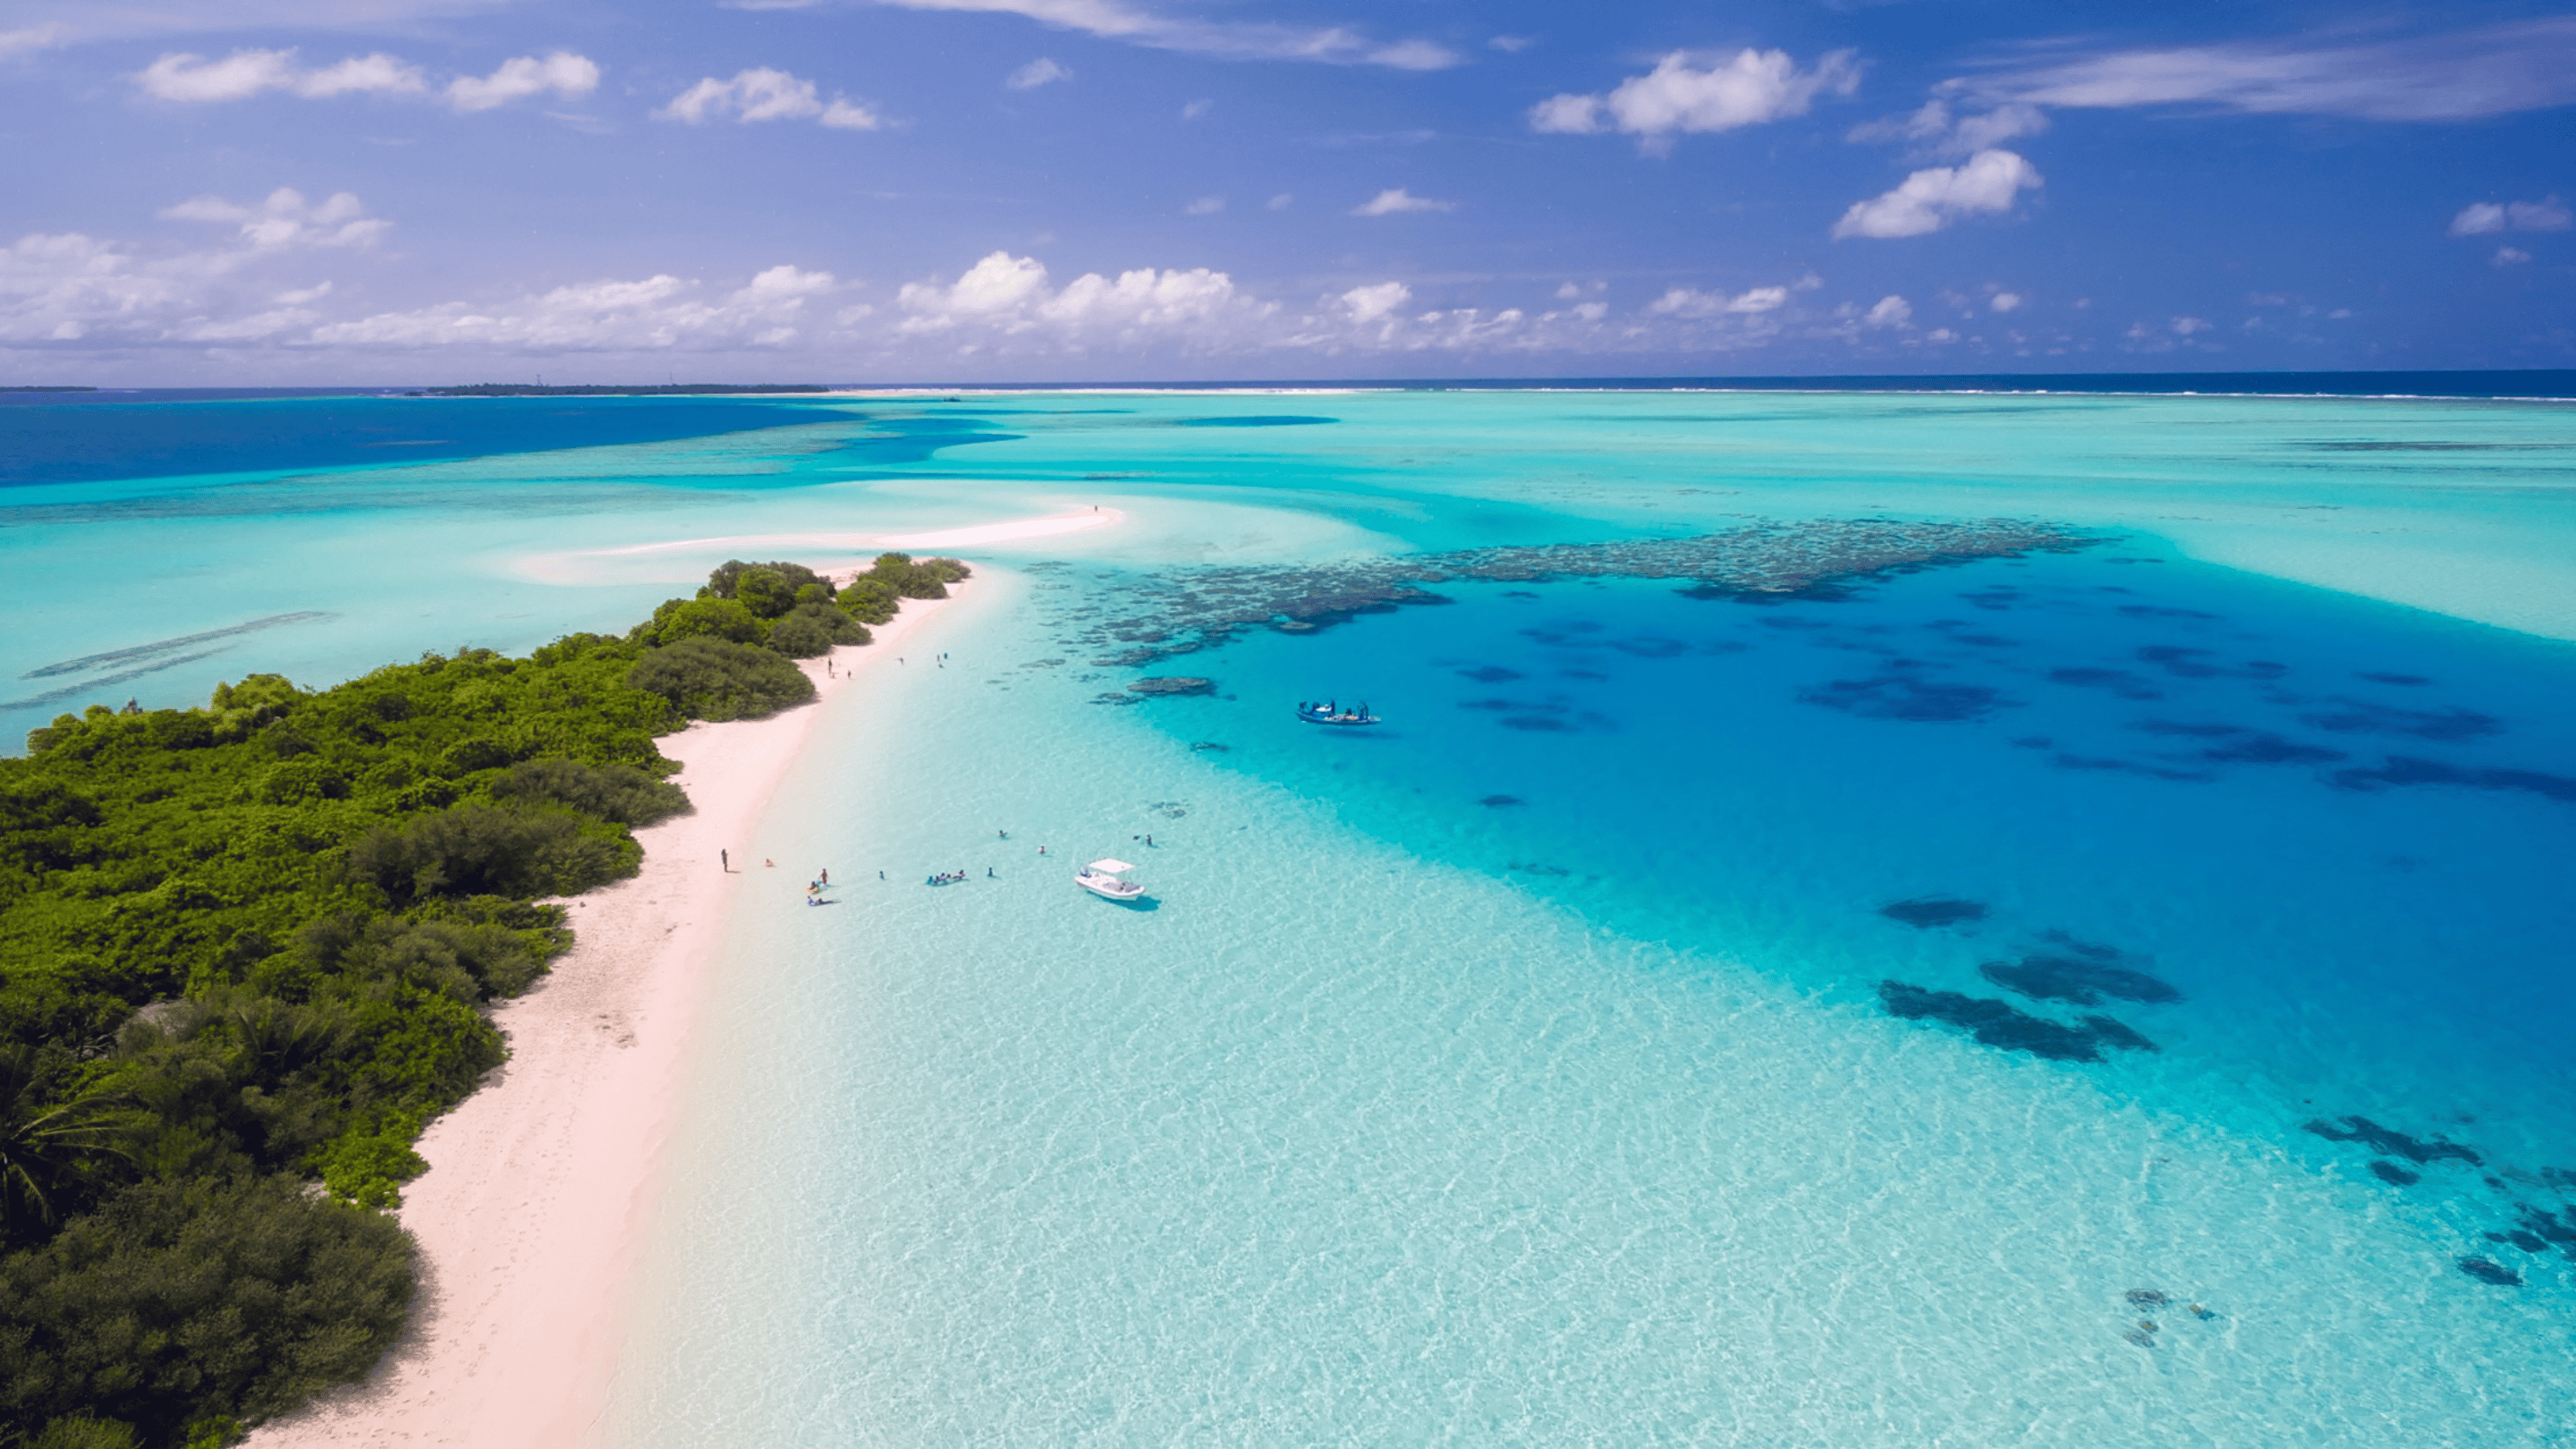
(1579, 1114)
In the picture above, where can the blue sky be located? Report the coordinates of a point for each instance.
(322, 191)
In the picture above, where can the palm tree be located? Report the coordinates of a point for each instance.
(42, 1142)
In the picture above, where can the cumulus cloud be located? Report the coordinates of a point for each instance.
(68, 287)
(1690, 92)
(1370, 303)
(1205, 206)
(1036, 73)
(1890, 311)
(1939, 129)
(1250, 40)
(286, 219)
(2509, 256)
(2487, 217)
(2004, 302)
(2495, 70)
(658, 313)
(1003, 298)
(1197, 108)
(1935, 196)
(1692, 302)
(193, 79)
(1395, 201)
(764, 94)
(246, 73)
(566, 74)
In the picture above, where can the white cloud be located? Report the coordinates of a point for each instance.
(1936, 129)
(2508, 256)
(1205, 206)
(1746, 89)
(1395, 201)
(2188, 326)
(1592, 311)
(286, 219)
(1692, 302)
(1369, 304)
(246, 73)
(765, 94)
(843, 115)
(1283, 201)
(1197, 108)
(1891, 311)
(1932, 198)
(190, 78)
(1413, 55)
(1253, 40)
(566, 74)
(2004, 302)
(2497, 70)
(1036, 73)
(33, 37)
(658, 313)
(1005, 300)
(1510, 44)
(2487, 217)
(379, 73)
(67, 287)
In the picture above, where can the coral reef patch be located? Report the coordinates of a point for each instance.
(1178, 611)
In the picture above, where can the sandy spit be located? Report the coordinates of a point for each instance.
(542, 1185)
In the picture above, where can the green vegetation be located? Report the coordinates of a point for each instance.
(245, 955)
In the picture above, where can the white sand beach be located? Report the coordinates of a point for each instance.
(833, 553)
(542, 1184)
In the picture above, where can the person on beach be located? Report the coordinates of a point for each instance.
(724, 861)
(825, 877)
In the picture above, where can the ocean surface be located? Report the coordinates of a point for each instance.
(2115, 995)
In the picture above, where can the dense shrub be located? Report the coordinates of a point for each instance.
(715, 680)
(812, 629)
(621, 793)
(246, 953)
(477, 849)
(785, 582)
(728, 619)
(180, 1305)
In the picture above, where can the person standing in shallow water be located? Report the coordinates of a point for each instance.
(724, 861)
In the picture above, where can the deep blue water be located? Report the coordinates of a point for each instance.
(2339, 831)
(89, 438)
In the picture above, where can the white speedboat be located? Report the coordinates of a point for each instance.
(1103, 878)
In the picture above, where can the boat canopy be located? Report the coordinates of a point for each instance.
(1110, 867)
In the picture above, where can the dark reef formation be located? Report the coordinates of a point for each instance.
(1818, 559)
(1927, 912)
(2393, 1143)
(2488, 1271)
(2002, 1025)
(1174, 685)
(2076, 982)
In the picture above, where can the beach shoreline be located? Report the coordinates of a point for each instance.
(543, 1184)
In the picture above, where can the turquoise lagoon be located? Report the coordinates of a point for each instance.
(1523, 1070)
